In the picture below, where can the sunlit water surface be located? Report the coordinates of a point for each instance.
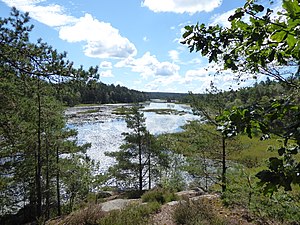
(106, 136)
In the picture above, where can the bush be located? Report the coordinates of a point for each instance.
(159, 195)
(132, 194)
(87, 216)
(199, 212)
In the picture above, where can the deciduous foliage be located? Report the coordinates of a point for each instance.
(258, 44)
(261, 42)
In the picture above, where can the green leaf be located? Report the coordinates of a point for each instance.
(237, 15)
(275, 164)
(258, 8)
(189, 28)
(292, 7)
(291, 41)
(279, 36)
(186, 34)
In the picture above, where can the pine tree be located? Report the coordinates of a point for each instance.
(33, 133)
(139, 157)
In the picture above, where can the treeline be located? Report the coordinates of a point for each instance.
(95, 92)
(260, 93)
(168, 96)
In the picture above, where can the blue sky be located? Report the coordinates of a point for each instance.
(135, 43)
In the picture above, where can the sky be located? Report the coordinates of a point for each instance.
(135, 43)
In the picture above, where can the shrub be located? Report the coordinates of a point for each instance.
(87, 216)
(159, 195)
(199, 212)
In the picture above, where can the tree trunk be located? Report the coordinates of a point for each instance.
(149, 160)
(38, 158)
(223, 164)
(140, 166)
(57, 183)
(47, 182)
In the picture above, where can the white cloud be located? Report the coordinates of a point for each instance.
(196, 61)
(52, 15)
(151, 87)
(222, 19)
(201, 75)
(149, 66)
(163, 83)
(119, 83)
(106, 65)
(145, 39)
(101, 39)
(199, 80)
(181, 6)
(166, 69)
(106, 73)
(174, 55)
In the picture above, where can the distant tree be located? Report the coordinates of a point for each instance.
(95, 92)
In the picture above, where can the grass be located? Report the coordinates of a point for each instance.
(253, 152)
(165, 111)
(86, 105)
(121, 111)
(244, 191)
(244, 194)
(88, 215)
(137, 214)
(159, 195)
(89, 111)
(134, 214)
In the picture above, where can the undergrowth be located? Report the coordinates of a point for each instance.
(199, 212)
(243, 191)
(159, 195)
(134, 214)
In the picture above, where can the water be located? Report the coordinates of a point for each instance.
(106, 135)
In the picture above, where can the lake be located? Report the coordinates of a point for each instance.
(103, 129)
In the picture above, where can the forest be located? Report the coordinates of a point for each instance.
(245, 149)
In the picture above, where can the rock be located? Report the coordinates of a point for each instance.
(189, 193)
(176, 202)
(117, 204)
(207, 196)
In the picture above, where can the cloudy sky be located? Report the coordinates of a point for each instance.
(135, 43)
